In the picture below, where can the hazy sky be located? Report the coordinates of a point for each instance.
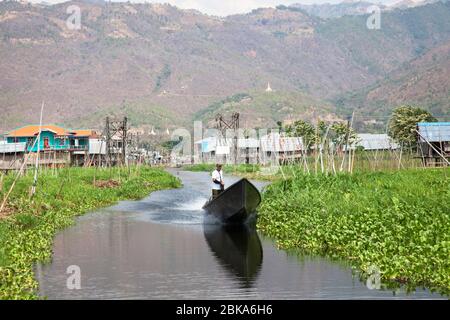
(227, 7)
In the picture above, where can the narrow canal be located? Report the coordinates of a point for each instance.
(162, 248)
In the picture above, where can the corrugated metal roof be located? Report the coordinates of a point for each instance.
(248, 143)
(97, 146)
(276, 142)
(435, 131)
(83, 133)
(273, 142)
(433, 124)
(33, 130)
(208, 144)
(12, 147)
(375, 142)
(211, 144)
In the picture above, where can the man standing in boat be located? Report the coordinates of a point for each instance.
(218, 185)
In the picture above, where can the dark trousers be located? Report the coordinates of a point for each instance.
(216, 193)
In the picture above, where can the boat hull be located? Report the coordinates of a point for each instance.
(236, 204)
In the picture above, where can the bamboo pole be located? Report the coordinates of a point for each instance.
(98, 162)
(333, 155)
(348, 144)
(316, 147)
(304, 154)
(400, 158)
(54, 163)
(423, 157)
(353, 161)
(15, 180)
(323, 142)
(36, 169)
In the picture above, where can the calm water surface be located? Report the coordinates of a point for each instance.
(162, 247)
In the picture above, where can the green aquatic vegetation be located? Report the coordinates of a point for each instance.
(26, 236)
(26, 220)
(398, 222)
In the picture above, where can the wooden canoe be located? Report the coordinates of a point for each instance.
(235, 205)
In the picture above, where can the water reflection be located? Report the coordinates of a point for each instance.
(238, 249)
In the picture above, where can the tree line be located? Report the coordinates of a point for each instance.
(401, 128)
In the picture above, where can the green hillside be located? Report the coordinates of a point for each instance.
(261, 109)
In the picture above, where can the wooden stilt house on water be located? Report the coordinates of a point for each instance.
(434, 143)
(57, 147)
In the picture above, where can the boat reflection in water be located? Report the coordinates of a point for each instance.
(238, 249)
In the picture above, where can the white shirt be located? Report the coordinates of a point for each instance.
(217, 176)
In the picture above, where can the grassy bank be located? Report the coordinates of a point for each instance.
(398, 222)
(26, 234)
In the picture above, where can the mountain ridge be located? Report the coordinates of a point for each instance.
(170, 64)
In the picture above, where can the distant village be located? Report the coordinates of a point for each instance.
(433, 141)
(62, 147)
(118, 144)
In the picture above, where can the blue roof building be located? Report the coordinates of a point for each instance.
(434, 131)
(434, 142)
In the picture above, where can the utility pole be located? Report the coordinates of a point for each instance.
(222, 125)
(116, 130)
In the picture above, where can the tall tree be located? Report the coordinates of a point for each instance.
(403, 123)
(302, 129)
(342, 133)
